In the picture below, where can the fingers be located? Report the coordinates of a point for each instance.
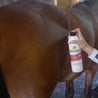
(78, 31)
(74, 42)
(68, 36)
(79, 34)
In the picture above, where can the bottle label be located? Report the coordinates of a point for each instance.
(76, 57)
(74, 49)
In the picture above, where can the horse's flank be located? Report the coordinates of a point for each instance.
(31, 35)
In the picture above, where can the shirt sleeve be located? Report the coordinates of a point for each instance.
(94, 56)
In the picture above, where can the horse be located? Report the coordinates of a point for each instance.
(34, 53)
(83, 10)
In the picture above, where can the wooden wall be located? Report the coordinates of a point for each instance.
(66, 3)
(60, 3)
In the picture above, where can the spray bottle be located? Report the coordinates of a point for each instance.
(75, 54)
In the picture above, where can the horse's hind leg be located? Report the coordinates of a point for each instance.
(69, 90)
(90, 73)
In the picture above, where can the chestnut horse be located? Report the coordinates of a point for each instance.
(33, 46)
(87, 15)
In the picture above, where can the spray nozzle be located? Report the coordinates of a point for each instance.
(72, 33)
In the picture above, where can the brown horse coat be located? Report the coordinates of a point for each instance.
(87, 17)
(33, 46)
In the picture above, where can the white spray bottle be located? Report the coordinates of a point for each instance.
(75, 54)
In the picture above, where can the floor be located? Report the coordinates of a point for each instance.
(79, 85)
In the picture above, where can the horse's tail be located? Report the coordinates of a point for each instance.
(3, 90)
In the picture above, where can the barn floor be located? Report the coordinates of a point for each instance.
(79, 85)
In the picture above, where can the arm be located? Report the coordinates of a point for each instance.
(82, 42)
(92, 53)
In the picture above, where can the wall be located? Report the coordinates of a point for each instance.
(60, 3)
(66, 3)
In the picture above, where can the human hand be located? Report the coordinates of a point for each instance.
(82, 42)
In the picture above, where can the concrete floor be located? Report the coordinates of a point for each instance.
(79, 85)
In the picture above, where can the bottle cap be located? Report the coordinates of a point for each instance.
(72, 33)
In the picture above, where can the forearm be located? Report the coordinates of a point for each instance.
(92, 53)
(88, 49)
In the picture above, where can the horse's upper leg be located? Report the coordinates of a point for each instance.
(90, 73)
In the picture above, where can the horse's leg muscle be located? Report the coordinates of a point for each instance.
(90, 73)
